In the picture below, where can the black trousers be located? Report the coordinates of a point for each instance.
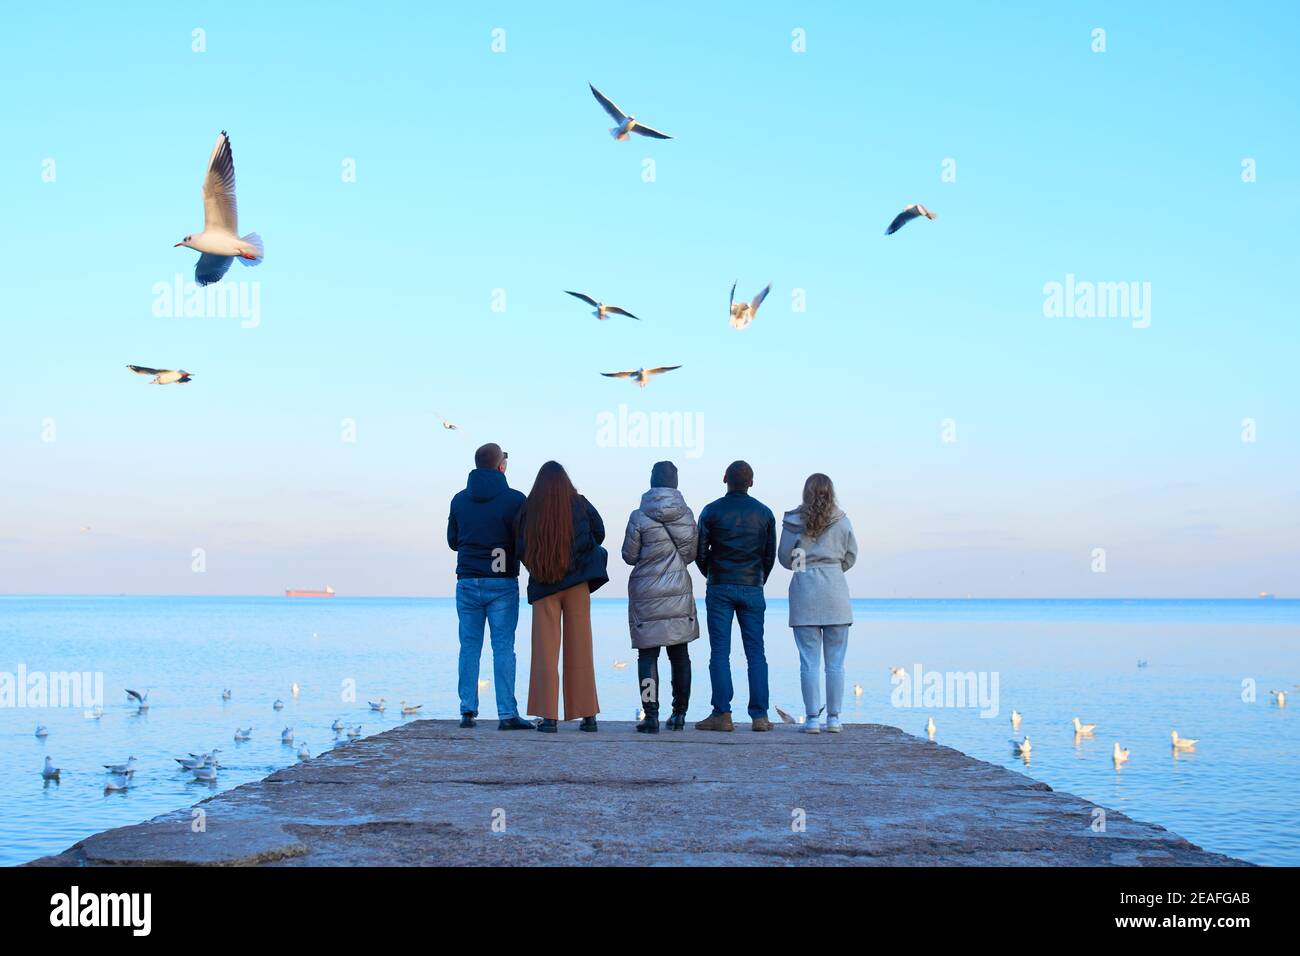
(647, 667)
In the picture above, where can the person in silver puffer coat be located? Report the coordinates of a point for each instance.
(660, 545)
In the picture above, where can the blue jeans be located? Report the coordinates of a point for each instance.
(496, 601)
(811, 641)
(746, 602)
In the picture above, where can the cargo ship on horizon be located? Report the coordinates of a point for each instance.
(327, 591)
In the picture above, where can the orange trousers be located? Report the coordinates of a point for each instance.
(563, 620)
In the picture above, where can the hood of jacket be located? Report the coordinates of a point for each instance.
(792, 520)
(484, 484)
(664, 505)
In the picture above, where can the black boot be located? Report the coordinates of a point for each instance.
(548, 725)
(516, 723)
(651, 723)
(467, 719)
(588, 724)
(677, 721)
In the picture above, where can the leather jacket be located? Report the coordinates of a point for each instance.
(737, 540)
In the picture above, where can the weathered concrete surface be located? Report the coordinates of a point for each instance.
(426, 793)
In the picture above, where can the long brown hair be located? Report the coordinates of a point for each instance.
(818, 508)
(548, 517)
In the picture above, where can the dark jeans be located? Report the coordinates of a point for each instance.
(746, 602)
(647, 668)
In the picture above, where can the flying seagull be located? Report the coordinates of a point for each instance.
(907, 215)
(742, 314)
(448, 425)
(161, 376)
(626, 124)
(220, 241)
(603, 311)
(641, 375)
(142, 700)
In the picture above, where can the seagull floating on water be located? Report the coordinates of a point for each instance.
(1183, 743)
(50, 772)
(243, 733)
(742, 314)
(914, 211)
(337, 725)
(898, 672)
(278, 705)
(626, 124)
(857, 690)
(286, 735)
(127, 768)
(42, 730)
(1022, 747)
(354, 732)
(141, 700)
(603, 311)
(205, 774)
(303, 752)
(410, 708)
(1279, 697)
(220, 243)
(641, 375)
(1119, 755)
(162, 376)
(118, 781)
(379, 705)
(1083, 730)
(1015, 720)
(295, 689)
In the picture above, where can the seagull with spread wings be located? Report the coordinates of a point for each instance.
(161, 376)
(641, 375)
(914, 211)
(220, 241)
(742, 313)
(626, 124)
(603, 311)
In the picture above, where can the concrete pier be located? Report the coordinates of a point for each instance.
(429, 793)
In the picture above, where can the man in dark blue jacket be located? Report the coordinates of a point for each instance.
(737, 549)
(480, 529)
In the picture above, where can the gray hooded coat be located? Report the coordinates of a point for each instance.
(819, 594)
(660, 546)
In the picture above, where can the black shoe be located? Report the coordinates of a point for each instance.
(516, 723)
(648, 726)
(548, 726)
(588, 724)
(677, 721)
(467, 720)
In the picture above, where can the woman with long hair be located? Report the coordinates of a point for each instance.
(558, 540)
(817, 544)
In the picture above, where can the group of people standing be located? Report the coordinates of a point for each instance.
(558, 535)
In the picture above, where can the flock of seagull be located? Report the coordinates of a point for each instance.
(204, 766)
(220, 244)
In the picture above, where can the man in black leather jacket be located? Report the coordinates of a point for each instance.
(737, 549)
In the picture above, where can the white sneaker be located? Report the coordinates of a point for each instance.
(833, 725)
(811, 726)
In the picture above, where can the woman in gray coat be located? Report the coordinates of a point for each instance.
(660, 546)
(817, 544)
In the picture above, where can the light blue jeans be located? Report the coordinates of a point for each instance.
(496, 602)
(811, 640)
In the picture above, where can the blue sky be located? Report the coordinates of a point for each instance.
(478, 171)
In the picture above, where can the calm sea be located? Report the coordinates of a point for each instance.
(1238, 793)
